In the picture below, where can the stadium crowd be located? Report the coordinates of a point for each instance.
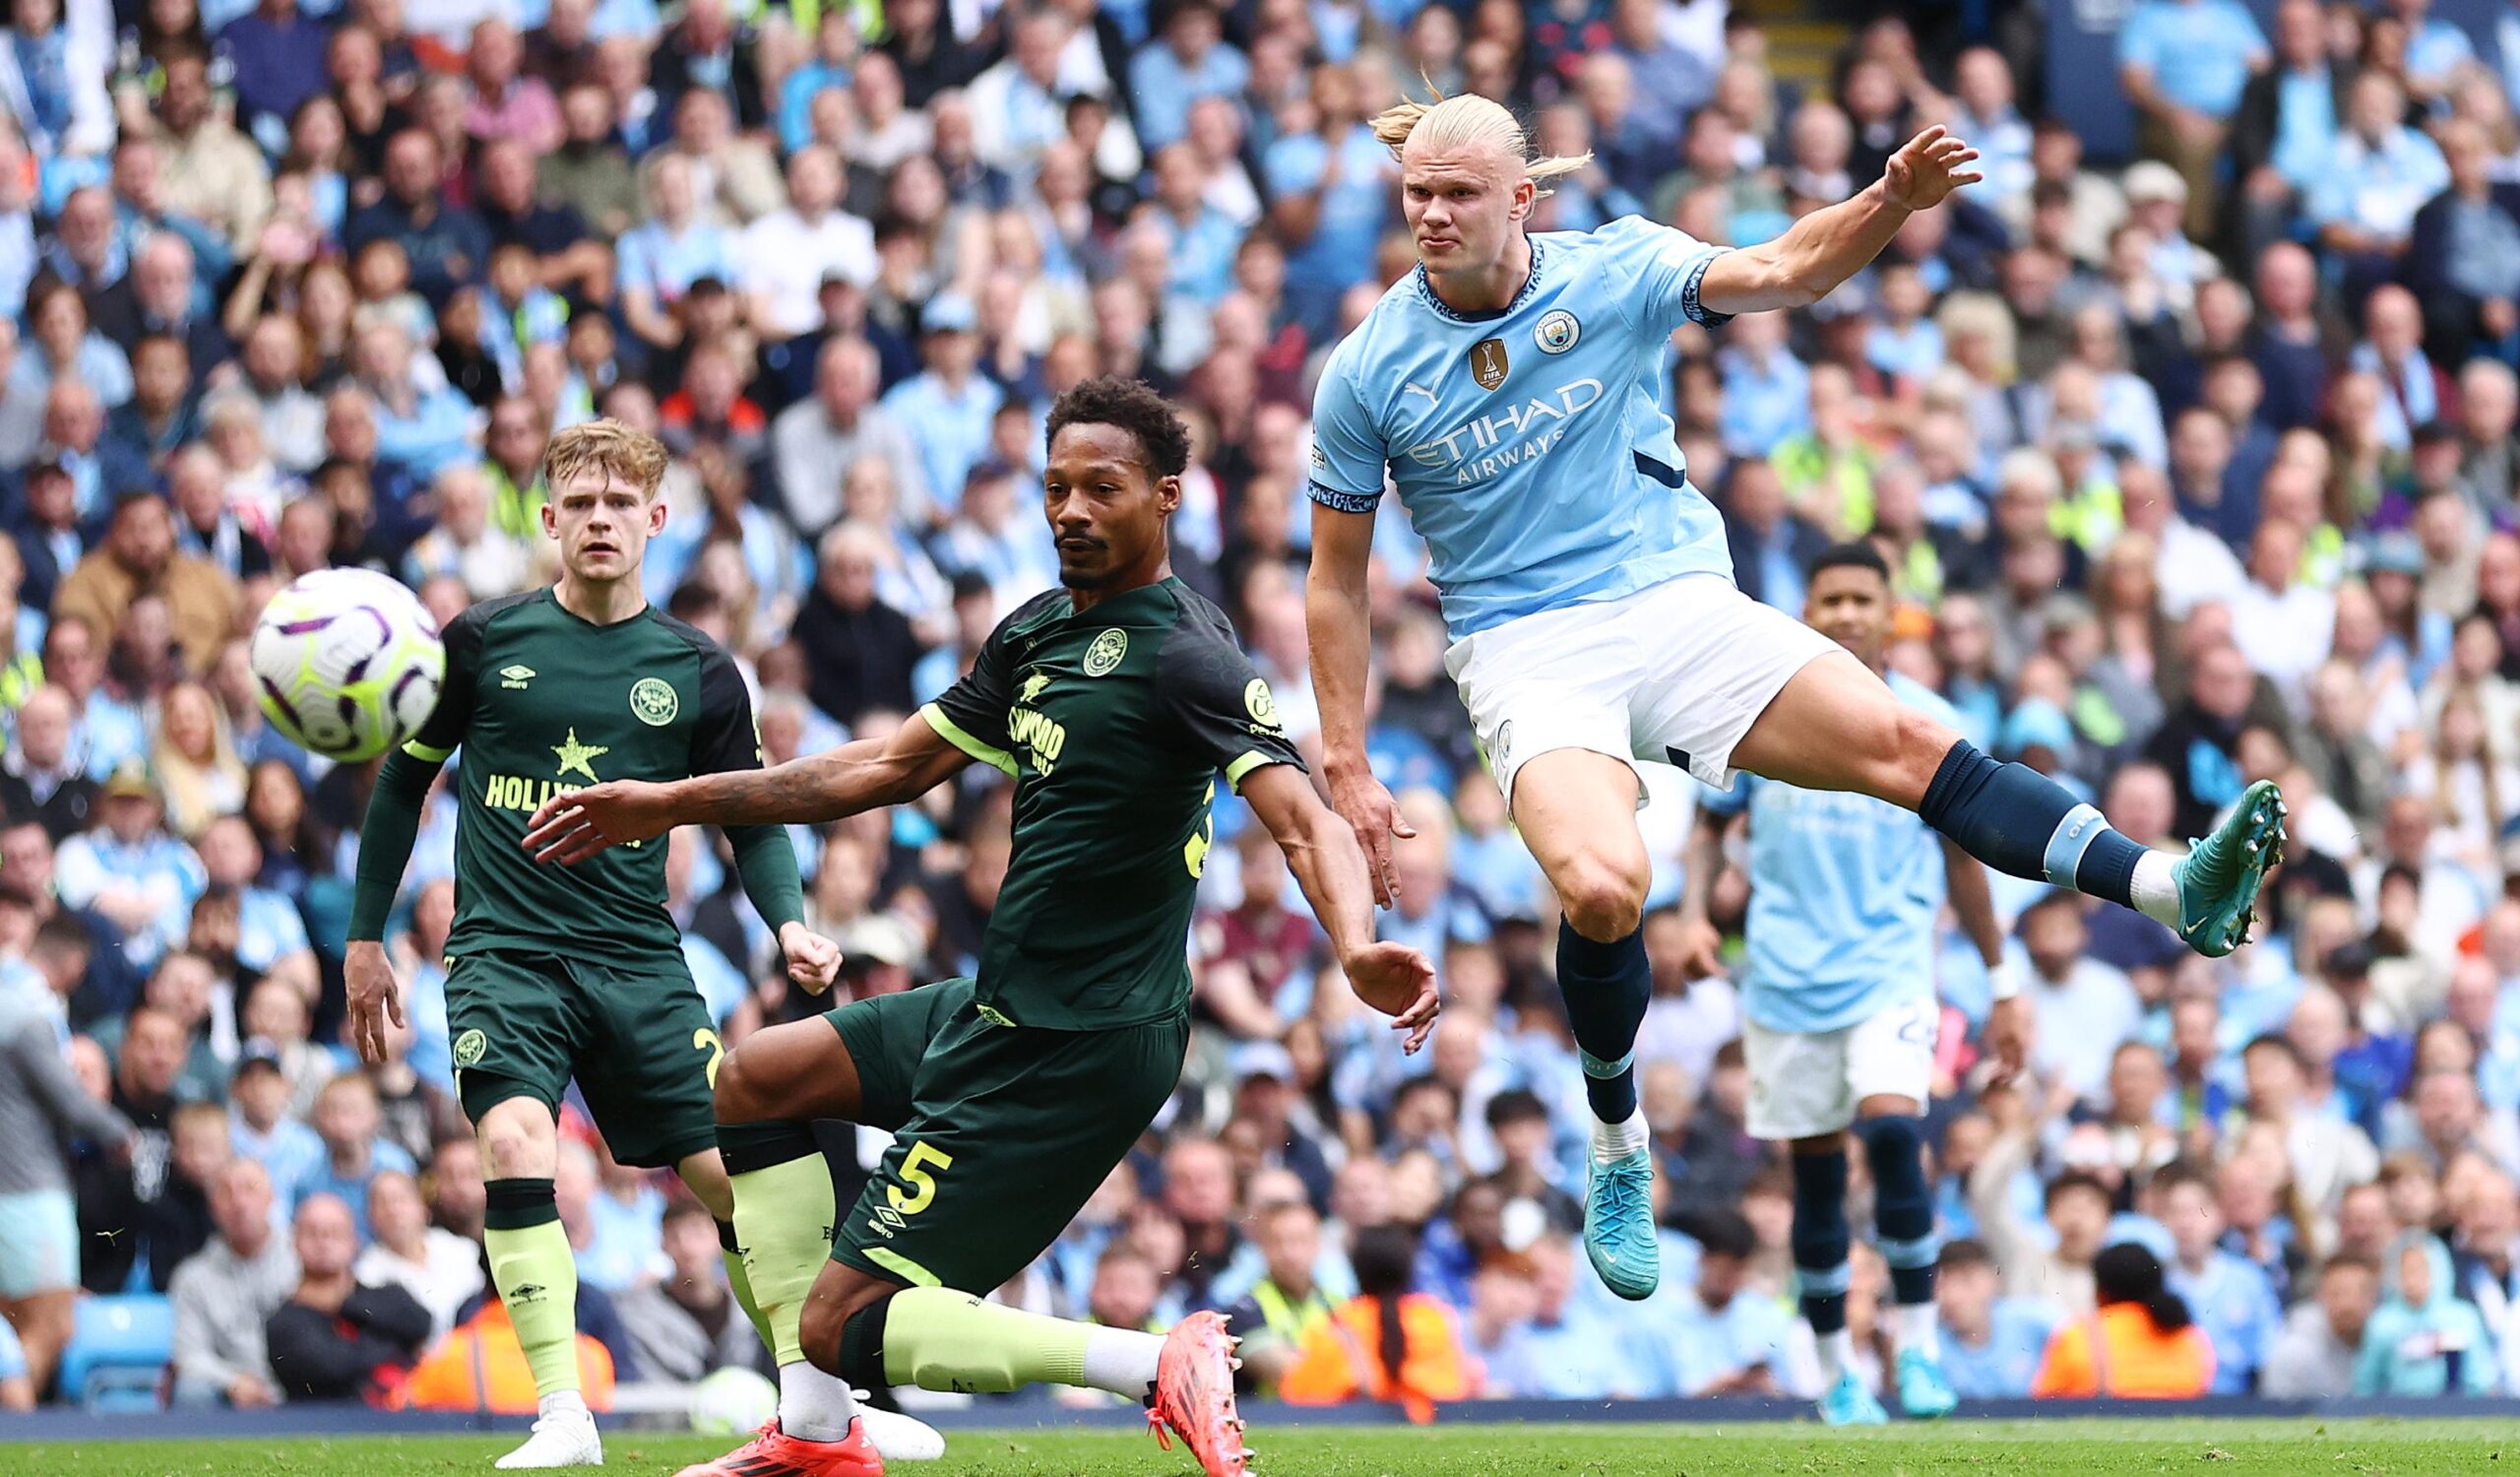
(2191, 472)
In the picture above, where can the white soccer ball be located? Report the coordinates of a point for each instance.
(349, 662)
(732, 1402)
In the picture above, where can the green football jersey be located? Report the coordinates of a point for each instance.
(1114, 722)
(541, 701)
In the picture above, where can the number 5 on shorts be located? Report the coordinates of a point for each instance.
(922, 1184)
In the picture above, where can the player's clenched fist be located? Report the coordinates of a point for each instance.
(813, 961)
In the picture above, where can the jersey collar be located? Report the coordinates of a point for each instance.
(1531, 283)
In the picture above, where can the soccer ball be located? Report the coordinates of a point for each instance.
(348, 661)
(732, 1401)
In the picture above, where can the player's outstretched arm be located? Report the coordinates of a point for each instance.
(1339, 627)
(867, 775)
(1322, 852)
(1831, 245)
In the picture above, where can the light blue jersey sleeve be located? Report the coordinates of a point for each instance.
(1664, 268)
(1348, 453)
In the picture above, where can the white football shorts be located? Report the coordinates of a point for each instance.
(1674, 674)
(1803, 1086)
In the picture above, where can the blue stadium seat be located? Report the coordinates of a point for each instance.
(117, 1349)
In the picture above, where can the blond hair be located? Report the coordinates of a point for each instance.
(1467, 121)
(609, 447)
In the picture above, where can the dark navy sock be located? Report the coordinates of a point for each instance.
(1607, 986)
(1902, 1205)
(2021, 823)
(1821, 1238)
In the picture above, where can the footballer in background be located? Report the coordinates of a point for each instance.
(1838, 996)
(554, 975)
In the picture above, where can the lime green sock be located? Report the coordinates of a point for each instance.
(536, 1275)
(783, 1215)
(740, 1282)
(937, 1338)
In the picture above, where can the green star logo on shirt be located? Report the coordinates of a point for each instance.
(575, 755)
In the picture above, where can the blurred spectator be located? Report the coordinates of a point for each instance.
(439, 1268)
(1722, 1338)
(685, 1324)
(335, 1338)
(2138, 1343)
(2424, 1340)
(224, 1295)
(2315, 1357)
(1990, 1344)
(1389, 1344)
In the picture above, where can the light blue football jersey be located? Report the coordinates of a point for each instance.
(1529, 447)
(1844, 893)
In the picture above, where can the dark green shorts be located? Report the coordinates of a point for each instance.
(1000, 1132)
(638, 1039)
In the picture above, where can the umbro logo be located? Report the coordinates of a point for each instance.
(514, 676)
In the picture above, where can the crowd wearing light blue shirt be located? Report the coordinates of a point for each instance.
(949, 425)
(2198, 51)
(2231, 1300)
(1164, 87)
(663, 263)
(2005, 1365)
(89, 863)
(2377, 185)
(1764, 401)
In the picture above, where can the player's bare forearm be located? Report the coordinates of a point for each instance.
(865, 775)
(1338, 629)
(1824, 248)
(1974, 901)
(1321, 850)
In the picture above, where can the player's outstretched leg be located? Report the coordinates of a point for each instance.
(941, 1339)
(1836, 727)
(536, 1275)
(1903, 1219)
(1820, 1265)
(1577, 811)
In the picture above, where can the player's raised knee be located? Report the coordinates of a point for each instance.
(818, 1326)
(739, 1092)
(1602, 899)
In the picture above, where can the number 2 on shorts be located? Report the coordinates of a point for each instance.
(915, 1174)
(705, 1040)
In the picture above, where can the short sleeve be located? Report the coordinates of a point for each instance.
(444, 732)
(1223, 707)
(1348, 457)
(1668, 264)
(726, 737)
(971, 715)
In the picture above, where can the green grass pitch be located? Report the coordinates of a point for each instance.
(2208, 1449)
